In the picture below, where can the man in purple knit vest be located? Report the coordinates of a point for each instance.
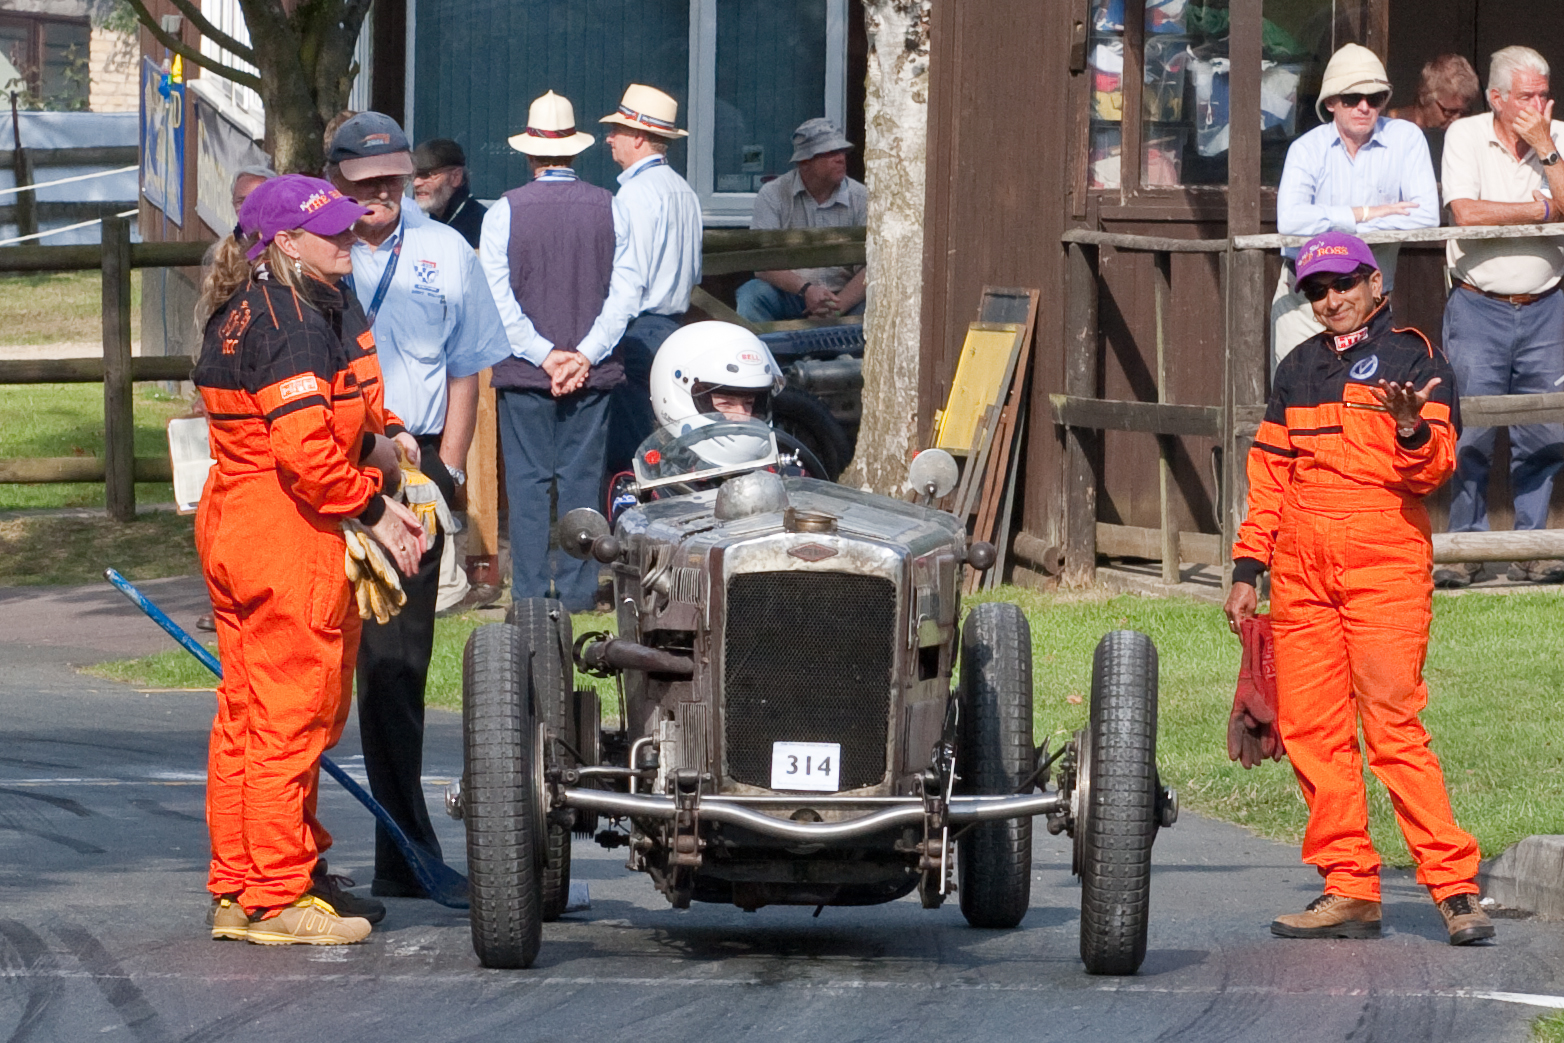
(547, 250)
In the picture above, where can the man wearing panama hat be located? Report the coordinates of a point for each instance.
(547, 251)
(657, 256)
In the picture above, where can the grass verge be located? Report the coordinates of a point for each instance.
(1549, 1028)
(54, 550)
(67, 420)
(1492, 672)
(49, 307)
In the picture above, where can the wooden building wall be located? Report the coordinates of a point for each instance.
(1006, 176)
(999, 162)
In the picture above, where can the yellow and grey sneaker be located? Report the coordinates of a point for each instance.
(310, 920)
(227, 919)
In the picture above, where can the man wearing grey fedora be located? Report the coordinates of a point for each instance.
(816, 193)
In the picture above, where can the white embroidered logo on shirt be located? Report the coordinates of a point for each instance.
(1363, 369)
(297, 387)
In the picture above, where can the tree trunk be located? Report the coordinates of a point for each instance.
(896, 143)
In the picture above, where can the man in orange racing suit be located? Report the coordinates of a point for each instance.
(1361, 426)
(282, 373)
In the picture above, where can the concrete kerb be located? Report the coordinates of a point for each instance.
(1528, 876)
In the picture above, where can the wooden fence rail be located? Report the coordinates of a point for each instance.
(725, 251)
(1233, 424)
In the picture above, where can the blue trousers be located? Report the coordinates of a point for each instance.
(1498, 348)
(551, 445)
(759, 301)
(632, 417)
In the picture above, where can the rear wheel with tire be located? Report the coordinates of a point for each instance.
(1117, 812)
(502, 804)
(994, 756)
(543, 636)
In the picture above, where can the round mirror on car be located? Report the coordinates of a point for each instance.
(933, 473)
(578, 530)
(759, 492)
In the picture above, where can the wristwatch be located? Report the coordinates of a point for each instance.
(1551, 158)
(458, 475)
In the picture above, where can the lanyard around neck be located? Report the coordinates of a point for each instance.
(654, 161)
(385, 281)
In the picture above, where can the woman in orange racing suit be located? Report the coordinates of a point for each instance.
(1361, 426)
(290, 385)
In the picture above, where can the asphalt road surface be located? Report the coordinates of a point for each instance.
(102, 862)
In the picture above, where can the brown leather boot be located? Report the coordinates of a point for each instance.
(1465, 919)
(1331, 916)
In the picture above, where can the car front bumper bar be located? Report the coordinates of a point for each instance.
(891, 813)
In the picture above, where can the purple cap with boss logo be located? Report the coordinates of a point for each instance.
(1334, 252)
(293, 201)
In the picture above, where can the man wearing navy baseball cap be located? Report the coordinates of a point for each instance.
(435, 328)
(1361, 426)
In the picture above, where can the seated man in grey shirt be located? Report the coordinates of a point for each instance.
(816, 193)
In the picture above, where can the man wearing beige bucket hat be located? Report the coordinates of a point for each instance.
(657, 256)
(547, 251)
(1357, 172)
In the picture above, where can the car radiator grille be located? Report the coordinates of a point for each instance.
(808, 659)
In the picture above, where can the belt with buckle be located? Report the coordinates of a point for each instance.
(1508, 298)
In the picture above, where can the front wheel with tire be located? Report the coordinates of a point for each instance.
(994, 757)
(1117, 812)
(543, 636)
(502, 804)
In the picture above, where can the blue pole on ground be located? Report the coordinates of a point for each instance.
(442, 883)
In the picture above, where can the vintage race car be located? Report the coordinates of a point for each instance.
(801, 717)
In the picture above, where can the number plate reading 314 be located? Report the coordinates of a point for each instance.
(806, 765)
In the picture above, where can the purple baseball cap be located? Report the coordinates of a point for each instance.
(293, 201)
(1335, 252)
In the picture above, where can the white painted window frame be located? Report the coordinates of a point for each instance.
(732, 209)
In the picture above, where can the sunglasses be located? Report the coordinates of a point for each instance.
(1376, 100)
(1316, 289)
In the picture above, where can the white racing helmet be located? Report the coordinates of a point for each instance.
(707, 357)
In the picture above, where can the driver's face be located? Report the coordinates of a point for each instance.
(733, 407)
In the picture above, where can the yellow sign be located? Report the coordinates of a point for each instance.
(980, 377)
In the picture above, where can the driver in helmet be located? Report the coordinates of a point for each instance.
(713, 367)
(702, 370)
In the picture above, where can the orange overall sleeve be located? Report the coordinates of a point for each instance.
(1270, 468)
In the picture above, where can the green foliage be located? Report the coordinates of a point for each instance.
(1549, 1028)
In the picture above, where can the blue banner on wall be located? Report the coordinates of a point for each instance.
(163, 137)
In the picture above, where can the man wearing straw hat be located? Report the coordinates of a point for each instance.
(657, 256)
(547, 251)
(1358, 172)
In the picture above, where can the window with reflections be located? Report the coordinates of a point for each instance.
(1179, 52)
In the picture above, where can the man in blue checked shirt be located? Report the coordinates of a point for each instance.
(657, 257)
(1359, 172)
(435, 327)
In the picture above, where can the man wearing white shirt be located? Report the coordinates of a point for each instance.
(1359, 172)
(547, 251)
(657, 257)
(1504, 318)
(435, 327)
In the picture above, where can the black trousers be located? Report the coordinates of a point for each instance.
(393, 666)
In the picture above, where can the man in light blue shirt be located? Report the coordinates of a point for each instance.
(657, 258)
(435, 326)
(1358, 173)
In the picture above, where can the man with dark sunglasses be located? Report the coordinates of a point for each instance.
(1360, 427)
(1504, 319)
(1357, 172)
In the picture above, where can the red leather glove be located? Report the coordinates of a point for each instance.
(1252, 735)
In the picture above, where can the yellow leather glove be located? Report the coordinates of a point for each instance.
(419, 493)
(377, 588)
